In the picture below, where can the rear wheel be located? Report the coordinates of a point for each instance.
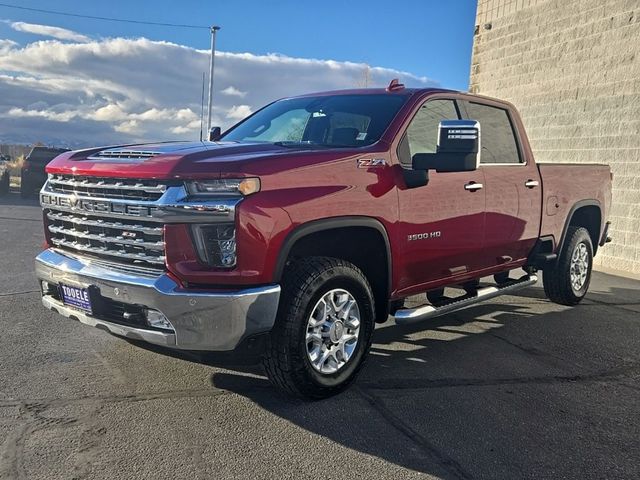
(567, 281)
(323, 329)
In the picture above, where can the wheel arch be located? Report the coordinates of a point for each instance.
(323, 237)
(587, 214)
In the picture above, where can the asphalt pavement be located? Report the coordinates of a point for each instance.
(517, 387)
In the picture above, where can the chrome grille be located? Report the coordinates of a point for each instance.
(135, 242)
(99, 187)
(120, 222)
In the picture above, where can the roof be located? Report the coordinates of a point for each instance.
(376, 91)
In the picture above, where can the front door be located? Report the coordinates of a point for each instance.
(442, 223)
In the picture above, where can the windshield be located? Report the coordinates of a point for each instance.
(332, 121)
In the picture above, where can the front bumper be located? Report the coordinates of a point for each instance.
(202, 320)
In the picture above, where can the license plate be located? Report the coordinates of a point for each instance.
(76, 297)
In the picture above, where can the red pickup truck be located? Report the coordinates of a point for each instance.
(296, 230)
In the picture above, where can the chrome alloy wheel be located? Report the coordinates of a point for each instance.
(579, 267)
(332, 331)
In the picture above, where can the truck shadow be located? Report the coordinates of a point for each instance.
(395, 409)
(459, 396)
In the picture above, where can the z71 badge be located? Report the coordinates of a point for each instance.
(371, 162)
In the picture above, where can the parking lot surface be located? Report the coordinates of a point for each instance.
(516, 387)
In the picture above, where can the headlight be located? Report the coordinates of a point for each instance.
(223, 186)
(216, 244)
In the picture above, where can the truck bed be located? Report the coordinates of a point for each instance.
(563, 183)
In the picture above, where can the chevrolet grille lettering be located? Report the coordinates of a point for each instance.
(94, 206)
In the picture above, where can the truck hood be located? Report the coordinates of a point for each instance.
(175, 160)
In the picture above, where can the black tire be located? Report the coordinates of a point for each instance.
(556, 279)
(4, 184)
(286, 361)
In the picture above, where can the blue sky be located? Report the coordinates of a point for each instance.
(75, 82)
(430, 38)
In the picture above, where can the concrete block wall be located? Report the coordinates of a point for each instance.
(572, 67)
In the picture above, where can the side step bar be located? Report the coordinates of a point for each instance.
(412, 315)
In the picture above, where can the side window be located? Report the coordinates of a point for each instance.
(422, 134)
(498, 142)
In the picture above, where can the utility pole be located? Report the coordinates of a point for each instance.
(214, 30)
(202, 108)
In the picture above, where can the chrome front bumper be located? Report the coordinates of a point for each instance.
(201, 320)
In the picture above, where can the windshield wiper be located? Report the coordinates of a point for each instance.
(292, 144)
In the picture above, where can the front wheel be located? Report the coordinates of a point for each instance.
(567, 281)
(323, 329)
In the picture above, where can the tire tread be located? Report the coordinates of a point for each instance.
(299, 277)
(556, 286)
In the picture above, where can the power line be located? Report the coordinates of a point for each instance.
(108, 19)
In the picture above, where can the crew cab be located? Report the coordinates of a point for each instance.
(296, 230)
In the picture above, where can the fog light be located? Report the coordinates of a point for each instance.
(216, 244)
(157, 319)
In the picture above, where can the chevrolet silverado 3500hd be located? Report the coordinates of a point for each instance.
(297, 229)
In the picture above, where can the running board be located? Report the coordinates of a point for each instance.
(411, 315)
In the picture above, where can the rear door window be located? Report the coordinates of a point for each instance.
(497, 135)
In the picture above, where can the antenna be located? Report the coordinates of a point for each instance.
(202, 107)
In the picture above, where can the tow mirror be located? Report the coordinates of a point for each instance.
(458, 148)
(214, 134)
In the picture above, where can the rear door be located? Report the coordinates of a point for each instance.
(442, 223)
(512, 184)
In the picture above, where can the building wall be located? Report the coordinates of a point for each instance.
(572, 67)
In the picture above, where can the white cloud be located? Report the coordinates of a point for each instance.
(233, 92)
(6, 45)
(180, 130)
(109, 113)
(238, 112)
(48, 114)
(130, 126)
(127, 90)
(49, 31)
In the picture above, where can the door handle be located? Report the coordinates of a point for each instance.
(531, 183)
(473, 186)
